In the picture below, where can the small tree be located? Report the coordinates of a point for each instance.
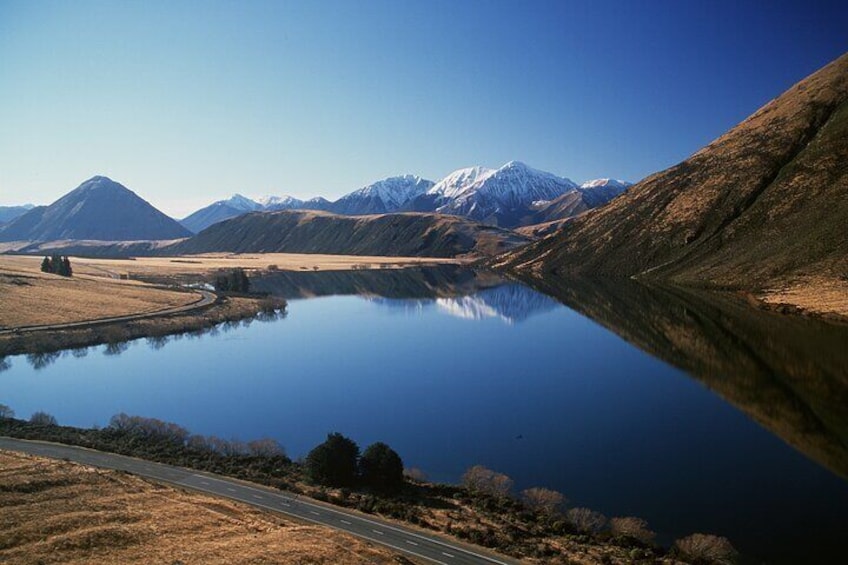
(47, 265)
(42, 419)
(586, 520)
(333, 462)
(381, 466)
(542, 499)
(265, 447)
(706, 548)
(6, 412)
(66, 267)
(482, 480)
(633, 528)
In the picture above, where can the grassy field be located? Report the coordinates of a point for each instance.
(60, 512)
(30, 297)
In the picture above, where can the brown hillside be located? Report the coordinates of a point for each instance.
(764, 205)
(298, 231)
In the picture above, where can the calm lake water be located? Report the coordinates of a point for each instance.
(689, 429)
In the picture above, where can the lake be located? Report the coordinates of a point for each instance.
(694, 412)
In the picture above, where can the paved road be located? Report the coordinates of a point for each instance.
(206, 299)
(404, 540)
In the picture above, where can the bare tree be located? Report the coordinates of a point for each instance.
(706, 548)
(542, 499)
(483, 480)
(265, 447)
(6, 412)
(42, 419)
(415, 474)
(586, 520)
(631, 527)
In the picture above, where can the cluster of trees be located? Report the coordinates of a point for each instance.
(153, 428)
(57, 265)
(234, 281)
(337, 462)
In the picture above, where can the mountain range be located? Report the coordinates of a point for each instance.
(762, 206)
(513, 195)
(99, 209)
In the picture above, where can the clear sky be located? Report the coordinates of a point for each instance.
(188, 102)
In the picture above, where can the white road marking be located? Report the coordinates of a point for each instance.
(313, 512)
(285, 504)
(411, 542)
(231, 489)
(446, 554)
(379, 532)
(345, 522)
(257, 496)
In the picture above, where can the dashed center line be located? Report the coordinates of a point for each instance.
(285, 504)
(257, 496)
(231, 489)
(379, 532)
(345, 522)
(411, 542)
(446, 554)
(313, 512)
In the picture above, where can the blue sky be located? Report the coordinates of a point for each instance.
(189, 102)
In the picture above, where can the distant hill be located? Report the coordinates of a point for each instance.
(766, 202)
(98, 209)
(410, 234)
(9, 213)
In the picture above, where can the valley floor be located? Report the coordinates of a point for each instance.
(60, 512)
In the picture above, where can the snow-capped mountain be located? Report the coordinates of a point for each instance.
(240, 202)
(284, 202)
(387, 195)
(600, 191)
(503, 196)
(219, 211)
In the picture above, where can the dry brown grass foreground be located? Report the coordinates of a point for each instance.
(60, 512)
(29, 297)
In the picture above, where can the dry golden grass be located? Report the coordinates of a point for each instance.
(30, 297)
(59, 512)
(816, 295)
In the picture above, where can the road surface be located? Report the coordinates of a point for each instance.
(404, 540)
(206, 299)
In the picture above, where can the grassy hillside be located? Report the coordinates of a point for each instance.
(406, 235)
(764, 205)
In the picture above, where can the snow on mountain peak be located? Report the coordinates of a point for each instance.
(240, 202)
(613, 183)
(393, 192)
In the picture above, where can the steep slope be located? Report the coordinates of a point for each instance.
(764, 204)
(219, 211)
(419, 235)
(98, 209)
(9, 213)
(502, 197)
(384, 196)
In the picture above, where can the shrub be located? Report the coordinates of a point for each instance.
(43, 419)
(633, 528)
(482, 480)
(707, 549)
(415, 474)
(333, 462)
(542, 499)
(586, 520)
(381, 466)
